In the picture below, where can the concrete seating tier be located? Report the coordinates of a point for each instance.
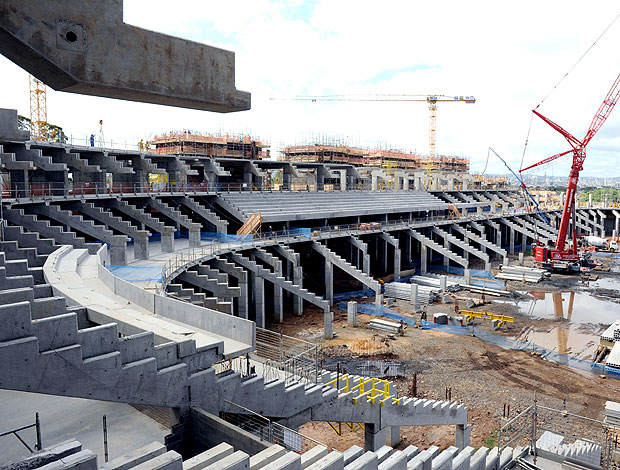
(302, 205)
(70, 455)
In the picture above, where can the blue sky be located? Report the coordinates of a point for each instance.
(507, 55)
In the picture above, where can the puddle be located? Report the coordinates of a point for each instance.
(581, 317)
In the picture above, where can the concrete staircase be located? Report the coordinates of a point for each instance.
(347, 267)
(78, 223)
(24, 153)
(8, 161)
(463, 245)
(71, 159)
(521, 228)
(483, 242)
(206, 278)
(178, 217)
(189, 294)
(426, 241)
(105, 217)
(219, 224)
(44, 228)
(103, 160)
(138, 214)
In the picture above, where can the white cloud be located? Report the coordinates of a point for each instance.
(508, 55)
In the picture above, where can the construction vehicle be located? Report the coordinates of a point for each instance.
(563, 257)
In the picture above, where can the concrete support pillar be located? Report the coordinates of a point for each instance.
(467, 275)
(194, 234)
(523, 243)
(328, 324)
(462, 436)
(374, 437)
(167, 239)
(287, 179)
(366, 264)
(242, 304)
(393, 436)
(506, 261)
(379, 299)
(141, 245)
(617, 225)
(511, 248)
(278, 304)
(118, 250)
(352, 314)
(521, 258)
(259, 301)
(479, 210)
(320, 180)
(443, 283)
(396, 264)
(423, 258)
(343, 180)
(446, 245)
(329, 282)
(384, 249)
(414, 297)
(298, 302)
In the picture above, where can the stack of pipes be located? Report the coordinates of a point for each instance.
(521, 273)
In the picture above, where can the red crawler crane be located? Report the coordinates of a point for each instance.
(560, 256)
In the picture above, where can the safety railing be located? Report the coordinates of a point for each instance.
(36, 425)
(267, 430)
(367, 388)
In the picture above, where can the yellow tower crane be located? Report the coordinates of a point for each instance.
(432, 101)
(39, 129)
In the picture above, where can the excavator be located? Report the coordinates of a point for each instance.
(563, 257)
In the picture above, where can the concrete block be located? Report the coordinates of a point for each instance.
(266, 456)
(168, 461)
(332, 461)
(312, 455)
(352, 314)
(289, 461)
(422, 461)
(367, 461)
(396, 461)
(141, 245)
(384, 452)
(135, 457)
(236, 461)
(352, 453)
(209, 457)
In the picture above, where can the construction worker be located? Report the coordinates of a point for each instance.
(92, 140)
(456, 308)
(141, 145)
(423, 316)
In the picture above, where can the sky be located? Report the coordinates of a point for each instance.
(509, 55)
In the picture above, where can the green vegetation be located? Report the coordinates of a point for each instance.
(55, 133)
(492, 439)
(598, 194)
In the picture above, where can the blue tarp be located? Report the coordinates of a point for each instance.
(380, 311)
(137, 273)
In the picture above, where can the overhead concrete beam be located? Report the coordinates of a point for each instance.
(85, 47)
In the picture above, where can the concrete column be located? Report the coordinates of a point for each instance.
(467, 275)
(242, 308)
(366, 264)
(328, 324)
(506, 261)
(259, 301)
(393, 436)
(511, 249)
(278, 307)
(298, 302)
(479, 210)
(396, 264)
(521, 256)
(343, 180)
(167, 239)
(446, 245)
(118, 250)
(320, 180)
(462, 435)
(141, 245)
(384, 249)
(423, 258)
(287, 179)
(523, 243)
(374, 437)
(379, 299)
(329, 282)
(443, 283)
(414, 297)
(194, 235)
(617, 225)
(352, 314)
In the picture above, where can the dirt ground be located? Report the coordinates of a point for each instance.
(480, 374)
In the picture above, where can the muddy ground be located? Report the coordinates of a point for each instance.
(480, 374)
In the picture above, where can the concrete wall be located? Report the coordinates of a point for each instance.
(200, 317)
(209, 430)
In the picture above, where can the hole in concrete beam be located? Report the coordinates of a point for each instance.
(70, 36)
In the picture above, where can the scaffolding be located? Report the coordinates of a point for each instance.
(194, 144)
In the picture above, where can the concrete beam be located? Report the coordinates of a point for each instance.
(85, 47)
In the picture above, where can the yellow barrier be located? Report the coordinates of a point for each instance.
(366, 388)
(470, 314)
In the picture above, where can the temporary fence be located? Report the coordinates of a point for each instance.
(508, 343)
(380, 311)
(267, 430)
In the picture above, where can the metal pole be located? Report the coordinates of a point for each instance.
(37, 423)
(105, 439)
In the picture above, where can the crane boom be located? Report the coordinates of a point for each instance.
(432, 101)
(559, 252)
